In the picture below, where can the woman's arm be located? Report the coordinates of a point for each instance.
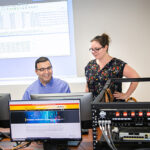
(86, 88)
(128, 72)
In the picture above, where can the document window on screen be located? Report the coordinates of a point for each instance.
(26, 27)
(45, 120)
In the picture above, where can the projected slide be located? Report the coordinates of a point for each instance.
(33, 30)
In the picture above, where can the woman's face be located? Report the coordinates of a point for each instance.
(97, 50)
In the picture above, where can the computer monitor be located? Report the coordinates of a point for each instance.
(86, 99)
(45, 120)
(4, 110)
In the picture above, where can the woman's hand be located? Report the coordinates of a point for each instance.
(119, 95)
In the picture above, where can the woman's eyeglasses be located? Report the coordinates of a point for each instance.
(95, 49)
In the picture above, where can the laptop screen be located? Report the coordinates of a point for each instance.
(45, 120)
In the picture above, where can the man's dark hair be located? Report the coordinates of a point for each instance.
(41, 59)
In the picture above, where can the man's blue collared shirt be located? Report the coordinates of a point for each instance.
(54, 86)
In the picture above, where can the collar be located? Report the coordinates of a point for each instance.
(49, 83)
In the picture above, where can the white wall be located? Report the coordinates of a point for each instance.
(126, 21)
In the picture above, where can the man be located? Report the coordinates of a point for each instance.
(45, 83)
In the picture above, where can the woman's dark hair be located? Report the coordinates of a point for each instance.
(41, 59)
(102, 39)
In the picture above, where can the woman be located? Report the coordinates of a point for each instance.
(104, 67)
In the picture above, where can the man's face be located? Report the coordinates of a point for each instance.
(44, 72)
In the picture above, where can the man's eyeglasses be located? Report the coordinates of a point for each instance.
(95, 49)
(43, 69)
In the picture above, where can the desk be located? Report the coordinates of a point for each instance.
(86, 143)
(124, 146)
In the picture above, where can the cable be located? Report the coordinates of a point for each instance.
(25, 144)
(4, 135)
(105, 136)
(107, 128)
(111, 136)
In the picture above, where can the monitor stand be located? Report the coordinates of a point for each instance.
(85, 131)
(61, 145)
(76, 143)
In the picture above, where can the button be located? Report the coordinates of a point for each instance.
(133, 114)
(125, 114)
(140, 114)
(117, 114)
(148, 114)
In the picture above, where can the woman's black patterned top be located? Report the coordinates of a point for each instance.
(96, 77)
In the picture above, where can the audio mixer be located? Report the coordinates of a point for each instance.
(121, 123)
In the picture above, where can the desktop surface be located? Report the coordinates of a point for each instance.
(86, 143)
(123, 146)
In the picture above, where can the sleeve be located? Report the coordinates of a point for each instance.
(26, 96)
(86, 71)
(67, 88)
(120, 64)
(122, 67)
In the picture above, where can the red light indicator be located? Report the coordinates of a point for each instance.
(117, 114)
(132, 114)
(140, 114)
(125, 114)
(148, 114)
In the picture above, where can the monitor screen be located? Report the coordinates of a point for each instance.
(4, 109)
(42, 120)
(86, 99)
